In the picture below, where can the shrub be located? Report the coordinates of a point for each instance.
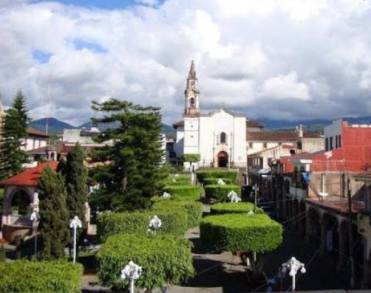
(213, 181)
(216, 173)
(173, 222)
(192, 158)
(164, 259)
(184, 191)
(232, 207)
(43, 277)
(181, 179)
(220, 192)
(233, 232)
(193, 209)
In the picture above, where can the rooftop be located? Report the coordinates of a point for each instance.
(29, 177)
(279, 135)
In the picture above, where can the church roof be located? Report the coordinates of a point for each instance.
(279, 135)
(178, 124)
(29, 177)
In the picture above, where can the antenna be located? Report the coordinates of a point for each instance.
(48, 103)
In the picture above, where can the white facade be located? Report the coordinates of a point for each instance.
(218, 137)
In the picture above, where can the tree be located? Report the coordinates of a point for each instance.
(132, 170)
(75, 176)
(15, 129)
(54, 229)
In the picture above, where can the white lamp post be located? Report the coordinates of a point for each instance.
(132, 272)
(154, 224)
(34, 218)
(293, 266)
(74, 224)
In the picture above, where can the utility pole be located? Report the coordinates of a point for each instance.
(350, 234)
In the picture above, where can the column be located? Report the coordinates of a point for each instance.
(342, 240)
(307, 223)
(323, 223)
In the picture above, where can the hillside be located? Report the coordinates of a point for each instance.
(55, 126)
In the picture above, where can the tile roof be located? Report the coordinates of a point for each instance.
(279, 135)
(29, 177)
(34, 132)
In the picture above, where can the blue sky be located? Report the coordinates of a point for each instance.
(278, 59)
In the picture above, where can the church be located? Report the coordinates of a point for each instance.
(218, 137)
(225, 139)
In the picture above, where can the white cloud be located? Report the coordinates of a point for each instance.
(285, 86)
(290, 56)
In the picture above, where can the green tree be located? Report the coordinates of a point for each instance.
(75, 176)
(54, 219)
(132, 171)
(15, 129)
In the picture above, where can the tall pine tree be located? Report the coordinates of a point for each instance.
(15, 129)
(75, 175)
(54, 218)
(132, 171)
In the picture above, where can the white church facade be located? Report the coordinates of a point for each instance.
(219, 137)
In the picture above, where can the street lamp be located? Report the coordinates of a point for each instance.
(293, 265)
(74, 224)
(132, 272)
(154, 224)
(34, 217)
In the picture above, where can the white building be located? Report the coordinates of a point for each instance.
(219, 137)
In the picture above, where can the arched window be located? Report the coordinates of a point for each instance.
(192, 102)
(223, 138)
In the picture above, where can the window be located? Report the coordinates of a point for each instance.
(251, 145)
(192, 102)
(326, 144)
(299, 145)
(339, 140)
(265, 145)
(223, 138)
(331, 143)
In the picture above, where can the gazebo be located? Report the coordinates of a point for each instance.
(20, 198)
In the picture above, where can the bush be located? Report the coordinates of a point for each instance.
(181, 179)
(173, 222)
(216, 173)
(43, 277)
(191, 192)
(164, 259)
(220, 192)
(193, 209)
(233, 232)
(231, 207)
(192, 158)
(213, 181)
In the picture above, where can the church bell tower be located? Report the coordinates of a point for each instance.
(192, 106)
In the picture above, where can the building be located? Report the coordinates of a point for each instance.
(314, 191)
(219, 137)
(35, 139)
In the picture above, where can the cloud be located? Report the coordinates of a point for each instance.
(282, 59)
(285, 86)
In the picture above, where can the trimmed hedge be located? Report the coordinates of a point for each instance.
(163, 258)
(220, 192)
(192, 158)
(216, 173)
(213, 181)
(173, 222)
(42, 277)
(181, 179)
(233, 207)
(191, 192)
(193, 209)
(242, 232)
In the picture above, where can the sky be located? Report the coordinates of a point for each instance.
(277, 59)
